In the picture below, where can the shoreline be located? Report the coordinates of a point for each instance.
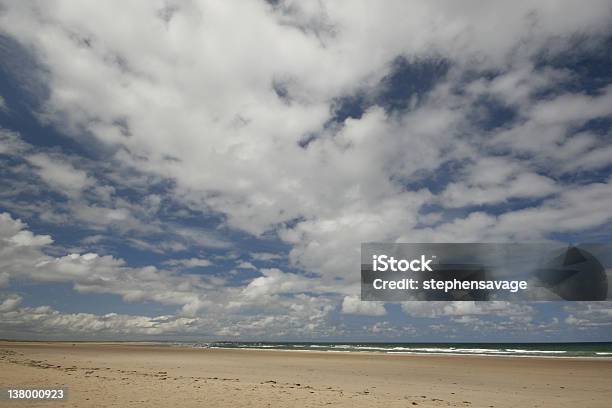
(528, 355)
(415, 353)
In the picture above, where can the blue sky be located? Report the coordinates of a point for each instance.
(205, 170)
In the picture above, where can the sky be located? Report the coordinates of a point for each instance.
(208, 170)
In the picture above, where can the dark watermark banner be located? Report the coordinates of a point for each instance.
(484, 271)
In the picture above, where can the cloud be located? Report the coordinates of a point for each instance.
(189, 262)
(575, 209)
(574, 108)
(314, 194)
(197, 297)
(265, 256)
(275, 281)
(14, 234)
(47, 322)
(245, 265)
(354, 305)
(495, 180)
(60, 175)
(461, 309)
(10, 303)
(4, 279)
(589, 315)
(104, 197)
(27, 239)
(10, 142)
(210, 123)
(200, 237)
(597, 158)
(22, 258)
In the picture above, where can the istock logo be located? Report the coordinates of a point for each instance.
(383, 263)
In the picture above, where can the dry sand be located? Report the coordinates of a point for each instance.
(126, 375)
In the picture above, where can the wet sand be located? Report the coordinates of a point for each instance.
(127, 375)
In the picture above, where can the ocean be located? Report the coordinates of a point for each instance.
(596, 350)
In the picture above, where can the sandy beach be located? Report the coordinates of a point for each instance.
(126, 375)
